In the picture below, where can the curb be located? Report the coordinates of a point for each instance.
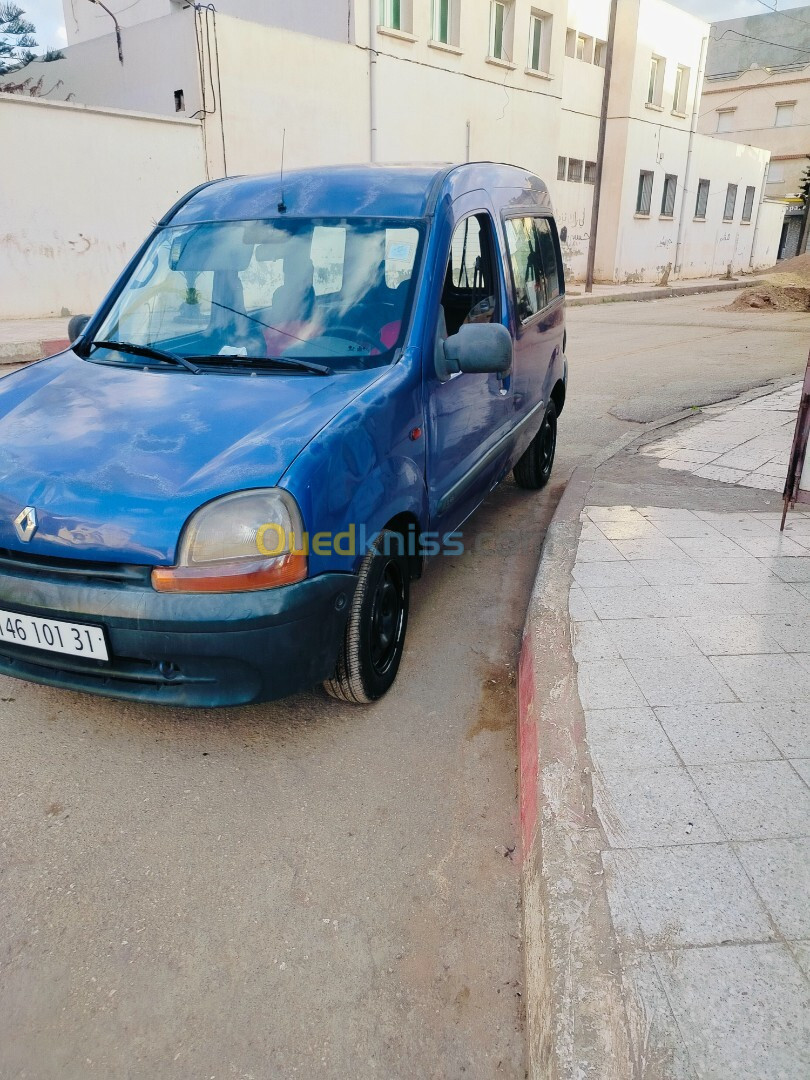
(581, 1024)
(658, 293)
(24, 352)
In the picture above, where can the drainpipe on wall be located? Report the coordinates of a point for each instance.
(600, 149)
(687, 175)
(372, 79)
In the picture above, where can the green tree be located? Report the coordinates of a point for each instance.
(804, 185)
(17, 41)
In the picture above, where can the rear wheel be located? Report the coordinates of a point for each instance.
(534, 468)
(375, 633)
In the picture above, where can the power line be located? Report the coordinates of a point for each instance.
(775, 11)
(763, 41)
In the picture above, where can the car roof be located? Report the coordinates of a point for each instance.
(398, 191)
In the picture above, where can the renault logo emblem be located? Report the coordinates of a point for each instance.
(26, 524)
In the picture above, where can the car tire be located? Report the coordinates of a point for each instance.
(534, 468)
(375, 632)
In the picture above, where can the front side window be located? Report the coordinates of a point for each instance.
(644, 196)
(668, 199)
(470, 293)
(731, 202)
(748, 204)
(334, 290)
(702, 200)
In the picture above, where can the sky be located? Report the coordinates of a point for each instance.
(48, 16)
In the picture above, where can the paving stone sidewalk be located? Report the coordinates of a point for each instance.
(691, 633)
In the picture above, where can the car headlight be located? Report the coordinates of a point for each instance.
(239, 543)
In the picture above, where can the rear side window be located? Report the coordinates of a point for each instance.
(535, 267)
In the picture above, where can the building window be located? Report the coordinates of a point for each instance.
(748, 204)
(655, 87)
(681, 89)
(600, 53)
(562, 165)
(784, 113)
(570, 42)
(725, 120)
(575, 170)
(668, 198)
(702, 200)
(441, 21)
(644, 197)
(179, 101)
(776, 173)
(499, 46)
(731, 202)
(539, 41)
(590, 172)
(391, 14)
(584, 48)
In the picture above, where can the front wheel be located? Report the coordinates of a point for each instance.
(534, 468)
(375, 633)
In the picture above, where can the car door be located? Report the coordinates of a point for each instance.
(539, 315)
(468, 415)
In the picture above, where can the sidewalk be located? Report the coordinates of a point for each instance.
(22, 340)
(665, 764)
(606, 294)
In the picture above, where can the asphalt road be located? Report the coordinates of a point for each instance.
(305, 888)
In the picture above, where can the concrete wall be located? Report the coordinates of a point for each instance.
(160, 56)
(80, 192)
(85, 21)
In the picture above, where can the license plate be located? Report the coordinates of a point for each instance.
(75, 639)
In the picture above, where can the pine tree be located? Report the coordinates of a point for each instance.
(17, 40)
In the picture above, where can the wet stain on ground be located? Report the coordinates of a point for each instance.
(498, 703)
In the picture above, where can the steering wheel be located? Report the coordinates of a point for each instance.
(357, 334)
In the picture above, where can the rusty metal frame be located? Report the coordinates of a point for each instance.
(793, 492)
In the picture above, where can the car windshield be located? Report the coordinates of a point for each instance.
(332, 290)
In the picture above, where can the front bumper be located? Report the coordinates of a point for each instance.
(184, 650)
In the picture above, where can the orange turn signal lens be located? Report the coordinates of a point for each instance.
(239, 575)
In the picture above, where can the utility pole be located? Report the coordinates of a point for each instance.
(600, 150)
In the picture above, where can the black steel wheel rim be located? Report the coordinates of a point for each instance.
(548, 441)
(387, 618)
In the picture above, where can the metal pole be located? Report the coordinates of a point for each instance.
(687, 176)
(372, 79)
(600, 150)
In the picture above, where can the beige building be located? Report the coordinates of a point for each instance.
(757, 91)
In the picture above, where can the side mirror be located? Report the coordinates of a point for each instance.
(478, 348)
(76, 326)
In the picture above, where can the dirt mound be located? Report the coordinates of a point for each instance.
(799, 266)
(773, 297)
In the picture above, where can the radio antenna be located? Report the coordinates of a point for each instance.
(282, 206)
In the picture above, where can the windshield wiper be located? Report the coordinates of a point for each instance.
(148, 351)
(267, 363)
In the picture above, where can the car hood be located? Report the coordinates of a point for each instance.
(115, 459)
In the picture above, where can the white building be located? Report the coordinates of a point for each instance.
(442, 80)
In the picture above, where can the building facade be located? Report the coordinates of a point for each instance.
(442, 80)
(757, 91)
